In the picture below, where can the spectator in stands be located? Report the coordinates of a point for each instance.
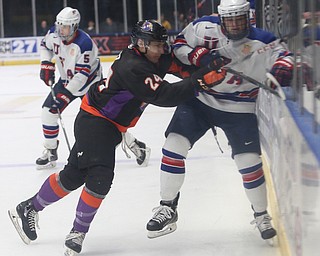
(43, 28)
(164, 22)
(109, 26)
(182, 22)
(90, 29)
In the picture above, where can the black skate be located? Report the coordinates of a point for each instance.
(141, 151)
(164, 219)
(28, 223)
(48, 158)
(73, 243)
(263, 223)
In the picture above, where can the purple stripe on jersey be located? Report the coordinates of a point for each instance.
(115, 104)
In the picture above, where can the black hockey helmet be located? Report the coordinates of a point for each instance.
(148, 30)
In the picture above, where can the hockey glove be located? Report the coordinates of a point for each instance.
(60, 102)
(202, 56)
(282, 70)
(205, 78)
(47, 72)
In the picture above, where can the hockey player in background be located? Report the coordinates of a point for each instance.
(76, 57)
(229, 105)
(109, 108)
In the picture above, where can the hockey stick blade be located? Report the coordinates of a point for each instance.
(279, 94)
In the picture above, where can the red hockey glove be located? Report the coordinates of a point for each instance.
(202, 56)
(60, 102)
(47, 72)
(282, 70)
(205, 78)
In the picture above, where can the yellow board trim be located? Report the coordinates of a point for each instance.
(282, 238)
(109, 58)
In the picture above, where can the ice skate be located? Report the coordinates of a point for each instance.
(25, 220)
(73, 243)
(138, 148)
(48, 158)
(263, 223)
(164, 219)
(141, 151)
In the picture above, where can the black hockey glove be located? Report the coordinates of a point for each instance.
(60, 102)
(205, 78)
(47, 72)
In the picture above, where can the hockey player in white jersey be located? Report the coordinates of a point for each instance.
(76, 57)
(229, 105)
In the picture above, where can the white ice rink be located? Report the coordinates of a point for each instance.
(214, 213)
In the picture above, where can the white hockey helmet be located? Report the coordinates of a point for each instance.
(233, 12)
(67, 17)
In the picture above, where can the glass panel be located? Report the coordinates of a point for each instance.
(110, 16)
(132, 12)
(167, 14)
(17, 18)
(46, 12)
(86, 9)
(149, 9)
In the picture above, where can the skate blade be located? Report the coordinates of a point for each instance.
(146, 160)
(47, 166)
(165, 231)
(69, 252)
(14, 217)
(271, 241)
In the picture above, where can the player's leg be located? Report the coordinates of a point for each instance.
(96, 155)
(50, 125)
(185, 128)
(243, 135)
(25, 215)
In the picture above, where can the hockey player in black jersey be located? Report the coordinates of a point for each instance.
(108, 109)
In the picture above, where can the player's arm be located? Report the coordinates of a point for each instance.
(151, 88)
(47, 67)
(82, 72)
(281, 61)
(189, 45)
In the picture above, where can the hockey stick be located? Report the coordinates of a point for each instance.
(59, 116)
(279, 93)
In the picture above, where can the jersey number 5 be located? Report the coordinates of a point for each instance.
(153, 82)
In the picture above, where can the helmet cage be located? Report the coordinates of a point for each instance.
(67, 17)
(235, 14)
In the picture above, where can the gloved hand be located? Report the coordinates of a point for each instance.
(60, 102)
(282, 70)
(47, 72)
(201, 56)
(205, 78)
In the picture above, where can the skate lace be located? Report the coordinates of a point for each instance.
(76, 237)
(262, 222)
(162, 213)
(33, 220)
(45, 154)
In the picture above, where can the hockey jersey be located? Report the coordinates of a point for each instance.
(132, 83)
(77, 61)
(253, 55)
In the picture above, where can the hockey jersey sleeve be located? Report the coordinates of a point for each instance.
(46, 46)
(153, 89)
(197, 33)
